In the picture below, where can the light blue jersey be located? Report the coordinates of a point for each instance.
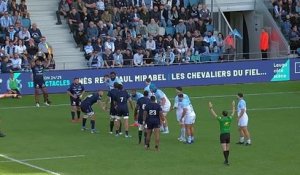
(176, 100)
(110, 83)
(147, 88)
(137, 96)
(159, 94)
(241, 105)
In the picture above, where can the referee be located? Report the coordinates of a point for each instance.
(224, 122)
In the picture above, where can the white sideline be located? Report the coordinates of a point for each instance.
(30, 165)
(195, 97)
(46, 158)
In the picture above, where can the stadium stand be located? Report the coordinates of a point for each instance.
(20, 39)
(167, 32)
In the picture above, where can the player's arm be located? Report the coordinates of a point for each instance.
(163, 101)
(233, 108)
(145, 115)
(161, 116)
(210, 105)
(241, 113)
(183, 114)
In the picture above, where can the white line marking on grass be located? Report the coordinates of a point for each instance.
(46, 158)
(195, 97)
(274, 108)
(27, 164)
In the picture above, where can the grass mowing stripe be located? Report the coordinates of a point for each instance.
(27, 164)
(46, 158)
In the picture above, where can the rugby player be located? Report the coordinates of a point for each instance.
(75, 91)
(86, 108)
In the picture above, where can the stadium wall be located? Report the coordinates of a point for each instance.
(168, 76)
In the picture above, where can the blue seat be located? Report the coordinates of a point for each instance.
(205, 58)
(214, 57)
(195, 58)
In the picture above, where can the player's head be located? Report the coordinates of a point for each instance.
(76, 80)
(100, 93)
(178, 89)
(225, 113)
(133, 92)
(153, 99)
(112, 75)
(120, 86)
(116, 85)
(180, 97)
(38, 61)
(146, 93)
(240, 95)
(153, 88)
(148, 80)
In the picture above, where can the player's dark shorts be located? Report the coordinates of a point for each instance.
(122, 111)
(39, 84)
(75, 101)
(86, 108)
(140, 119)
(153, 123)
(112, 111)
(225, 138)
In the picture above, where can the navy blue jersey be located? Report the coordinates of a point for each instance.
(113, 95)
(122, 98)
(91, 99)
(142, 102)
(38, 73)
(153, 110)
(76, 89)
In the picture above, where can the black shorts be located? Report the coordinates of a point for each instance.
(225, 138)
(86, 109)
(122, 111)
(39, 84)
(140, 119)
(112, 111)
(75, 101)
(153, 123)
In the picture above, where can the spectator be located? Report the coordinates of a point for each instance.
(168, 42)
(5, 65)
(151, 45)
(220, 44)
(181, 28)
(95, 16)
(148, 58)
(16, 62)
(264, 43)
(139, 43)
(96, 60)
(211, 41)
(138, 58)
(88, 50)
(169, 56)
(11, 33)
(20, 48)
(25, 20)
(92, 31)
(189, 40)
(16, 17)
(204, 13)
(74, 19)
(173, 16)
(118, 59)
(32, 49)
(127, 57)
(100, 5)
(109, 44)
(98, 45)
(35, 33)
(10, 48)
(106, 17)
(3, 7)
(24, 34)
(23, 7)
(179, 45)
(144, 14)
(153, 28)
(120, 44)
(108, 58)
(85, 17)
(5, 20)
(116, 16)
(159, 58)
(13, 6)
(26, 63)
(45, 47)
(79, 5)
(190, 25)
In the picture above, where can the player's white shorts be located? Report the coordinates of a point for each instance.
(89, 115)
(190, 119)
(243, 121)
(179, 113)
(166, 107)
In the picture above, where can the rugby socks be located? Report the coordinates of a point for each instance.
(120, 128)
(145, 136)
(242, 139)
(78, 114)
(93, 124)
(111, 125)
(226, 155)
(140, 136)
(182, 133)
(45, 97)
(126, 133)
(83, 122)
(73, 115)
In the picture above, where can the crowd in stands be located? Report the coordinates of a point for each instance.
(116, 33)
(20, 40)
(287, 14)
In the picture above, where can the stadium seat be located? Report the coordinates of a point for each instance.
(214, 57)
(204, 58)
(195, 58)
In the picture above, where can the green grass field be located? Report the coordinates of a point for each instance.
(45, 138)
